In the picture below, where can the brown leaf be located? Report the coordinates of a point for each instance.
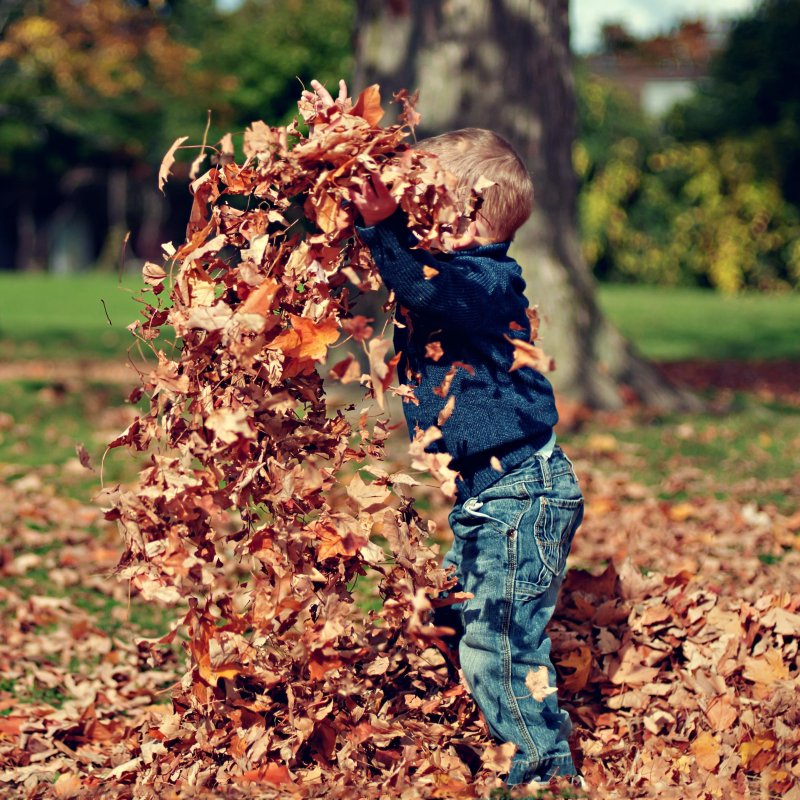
(368, 105)
(529, 355)
(84, 457)
(260, 300)
(580, 661)
(168, 161)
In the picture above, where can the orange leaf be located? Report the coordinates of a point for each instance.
(706, 750)
(581, 661)
(11, 726)
(529, 355)
(307, 339)
(274, 774)
(368, 105)
(757, 753)
(319, 665)
(259, 301)
(766, 670)
(721, 714)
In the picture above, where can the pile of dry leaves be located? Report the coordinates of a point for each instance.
(260, 506)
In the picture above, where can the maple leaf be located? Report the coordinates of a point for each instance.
(580, 661)
(537, 683)
(306, 339)
(260, 300)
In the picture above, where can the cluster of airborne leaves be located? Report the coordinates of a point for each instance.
(286, 678)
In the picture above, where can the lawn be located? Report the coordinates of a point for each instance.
(86, 316)
(67, 319)
(676, 324)
(54, 316)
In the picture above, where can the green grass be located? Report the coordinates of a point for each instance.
(42, 423)
(63, 317)
(744, 450)
(675, 324)
(54, 316)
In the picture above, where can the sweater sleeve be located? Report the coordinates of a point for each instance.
(464, 291)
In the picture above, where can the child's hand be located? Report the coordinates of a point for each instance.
(374, 202)
(321, 98)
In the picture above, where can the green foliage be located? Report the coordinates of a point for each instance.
(109, 79)
(265, 48)
(754, 93)
(657, 210)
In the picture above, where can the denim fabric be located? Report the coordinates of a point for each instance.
(510, 549)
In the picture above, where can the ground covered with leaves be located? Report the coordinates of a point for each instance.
(275, 527)
(676, 636)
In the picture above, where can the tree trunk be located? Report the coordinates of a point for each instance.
(506, 65)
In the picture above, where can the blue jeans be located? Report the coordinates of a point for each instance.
(510, 549)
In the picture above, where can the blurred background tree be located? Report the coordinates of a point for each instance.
(93, 92)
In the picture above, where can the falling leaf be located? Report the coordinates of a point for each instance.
(84, 457)
(260, 300)
(153, 274)
(433, 350)
(306, 339)
(447, 411)
(168, 161)
(529, 355)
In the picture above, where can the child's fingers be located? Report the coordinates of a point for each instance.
(322, 93)
(343, 91)
(379, 188)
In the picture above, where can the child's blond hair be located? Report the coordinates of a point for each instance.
(472, 153)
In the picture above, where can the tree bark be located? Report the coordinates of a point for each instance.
(506, 65)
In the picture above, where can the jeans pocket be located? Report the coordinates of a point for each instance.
(500, 514)
(556, 523)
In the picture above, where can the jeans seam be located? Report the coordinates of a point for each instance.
(506, 647)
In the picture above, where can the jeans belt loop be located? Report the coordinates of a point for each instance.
(544, 464)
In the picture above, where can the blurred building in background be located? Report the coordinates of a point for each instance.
(661, 71)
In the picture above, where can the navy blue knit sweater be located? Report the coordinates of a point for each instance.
(468, 308)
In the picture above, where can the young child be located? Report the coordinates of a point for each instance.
(518, 503)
